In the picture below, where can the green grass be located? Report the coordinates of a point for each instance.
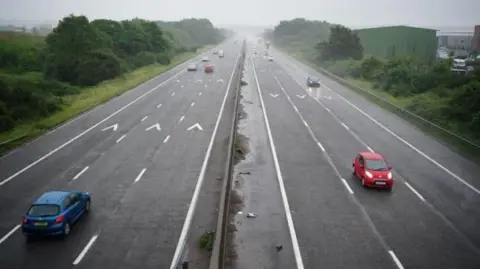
(88, 99)
(206, 241)
(450, 141)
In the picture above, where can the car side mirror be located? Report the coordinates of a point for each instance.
(389, 167)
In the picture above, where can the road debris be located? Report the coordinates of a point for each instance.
(251, 215)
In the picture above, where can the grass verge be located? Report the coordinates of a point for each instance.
(86, 100)
(367, 90)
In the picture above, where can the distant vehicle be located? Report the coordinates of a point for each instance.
(270, 58)
(208, 68)
(192, 67)
(55, 212)
(205, 59)
(372, 169)
(313, 82)
(220, 54)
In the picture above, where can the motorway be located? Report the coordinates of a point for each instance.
(427, 221)
(140, 156)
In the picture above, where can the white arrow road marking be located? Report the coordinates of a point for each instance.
(273, 95)
(114, 127)
(301, 96)
(196, 125)
(198, 80)
(154, 126)
(220, 80)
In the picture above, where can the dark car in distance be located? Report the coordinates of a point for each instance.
(313, 82)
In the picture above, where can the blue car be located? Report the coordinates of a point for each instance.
(55, 212)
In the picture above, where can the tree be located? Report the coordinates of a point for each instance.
(342, 44)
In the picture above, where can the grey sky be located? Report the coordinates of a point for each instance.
(256, 12)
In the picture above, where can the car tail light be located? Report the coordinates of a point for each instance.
(25, 220)
(59, 219)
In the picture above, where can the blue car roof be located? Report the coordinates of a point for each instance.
(52, 197)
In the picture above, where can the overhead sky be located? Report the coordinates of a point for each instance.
(256, 12)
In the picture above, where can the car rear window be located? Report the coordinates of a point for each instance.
(43, 210)
(376, 165)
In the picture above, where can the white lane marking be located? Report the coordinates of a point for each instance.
(5, 237)
(206, 85)
(88, 130)
(274, 95)
(140, 175)
(291, 226)
(415, 192)
(114, 127)
(166, 139)
(144, 118)
(201, 177)
(301, 96)
(181, 86)
(193, 103)
(159, 106)
(347, 186)
(327, 109)
(200, 93)
(395, 259)
(306, 124)
(321, 147)
(85, 250)
(458, 178)
(81, 172)
(157, 126)
(173, 93)
(345, 126)
(181, 119)
(121, 138)
(370, 149)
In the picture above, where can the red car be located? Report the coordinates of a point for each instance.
(208, 68)
(373, 170)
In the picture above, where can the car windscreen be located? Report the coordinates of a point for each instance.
(314, 79)
(376, 165)
(43, 210)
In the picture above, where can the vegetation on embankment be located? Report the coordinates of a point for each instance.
(429, 90)
(45, 81)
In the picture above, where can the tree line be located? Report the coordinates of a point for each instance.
(36, 73)
(430, 90)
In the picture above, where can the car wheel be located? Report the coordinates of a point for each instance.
(66, 229)
(87, 207)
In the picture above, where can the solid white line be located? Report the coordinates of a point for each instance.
(411, 146)
(81, 172)
(306, 124)
(193, 103)
(88, 130)
(201, 177)
(370, 149)
(144, 118)
(345, 126)
(396, 260)
(10, 233)
(140, 175)
(85, 250)
(415, 192)
(173, 93)
(183, 117)
(159, 106)
(166, 139)
(321, 147)
(121, 138)
(291, 226)
(347, 186)
(326, 108)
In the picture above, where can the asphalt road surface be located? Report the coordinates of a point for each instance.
(429, 220)
(139, 156)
